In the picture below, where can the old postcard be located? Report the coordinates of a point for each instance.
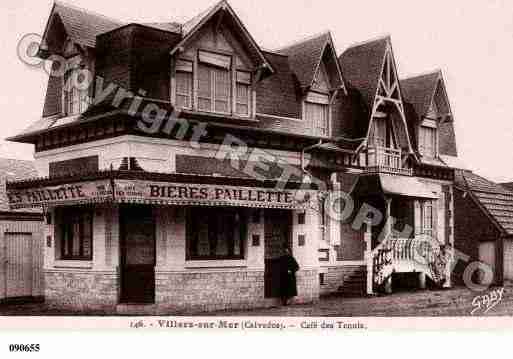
(256, 166)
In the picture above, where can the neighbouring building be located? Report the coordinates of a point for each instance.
(189, 212)
(21, 240)
(483, 226)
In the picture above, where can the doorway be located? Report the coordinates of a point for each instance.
(19, 267)
(137, 254)
(278, 234)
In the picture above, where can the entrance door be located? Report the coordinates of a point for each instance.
(137, 255)
(18, 264)
(278, 229)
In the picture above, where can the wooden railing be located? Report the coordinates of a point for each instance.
(385, 159)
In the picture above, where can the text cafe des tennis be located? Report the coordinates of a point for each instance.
(173, 242)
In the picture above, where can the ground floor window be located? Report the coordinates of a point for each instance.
(215, 233)
(75, 233)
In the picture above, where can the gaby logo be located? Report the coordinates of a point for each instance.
(487, 301)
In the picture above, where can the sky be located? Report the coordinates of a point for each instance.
(471, 41)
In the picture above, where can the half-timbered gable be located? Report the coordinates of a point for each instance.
(371, 70)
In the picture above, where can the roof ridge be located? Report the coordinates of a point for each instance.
(420, 74)
(90, 12)
(365, 42)
(302, 40)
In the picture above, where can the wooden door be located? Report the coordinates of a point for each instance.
(137, 255)
(487, 256)
(19, 269)
(278, 229)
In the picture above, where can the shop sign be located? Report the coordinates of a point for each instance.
(138, 191)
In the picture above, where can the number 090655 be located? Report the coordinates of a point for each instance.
(24, 348)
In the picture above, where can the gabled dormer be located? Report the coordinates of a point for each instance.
(216, 65)
(69, 40)
(314, 62)
(431, 112)
(370, 69)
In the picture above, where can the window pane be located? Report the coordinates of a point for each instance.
(75, 230)
(215, 233)
(183, 89)
(204, 88)
(222, 90)
(242, 107)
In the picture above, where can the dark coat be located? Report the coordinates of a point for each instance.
(288, 269)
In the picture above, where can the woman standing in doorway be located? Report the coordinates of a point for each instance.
(288, 269)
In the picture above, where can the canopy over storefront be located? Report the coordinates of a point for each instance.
(391, 185)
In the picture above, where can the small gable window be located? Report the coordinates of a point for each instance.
(213, 85)
(317, 114)
(428, 141)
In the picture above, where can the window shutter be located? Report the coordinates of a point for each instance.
(214, 59)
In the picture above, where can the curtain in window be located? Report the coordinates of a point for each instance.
(215, 233)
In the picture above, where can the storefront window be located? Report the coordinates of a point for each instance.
(76, 234)
(216, 233)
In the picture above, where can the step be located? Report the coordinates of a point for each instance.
(136, 309)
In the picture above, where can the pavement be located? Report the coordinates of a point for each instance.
(449, 302)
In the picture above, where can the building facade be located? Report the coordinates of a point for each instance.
(176, 161)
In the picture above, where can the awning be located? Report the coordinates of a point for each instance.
(387, 184)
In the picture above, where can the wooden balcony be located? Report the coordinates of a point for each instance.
(386, 160)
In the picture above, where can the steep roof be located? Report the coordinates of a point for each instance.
(361, 65)
(306, 55)
(82, 26)
(13, 170)
(419, 91)
(492, 198)
(507, 185)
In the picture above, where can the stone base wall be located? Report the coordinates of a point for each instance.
(204, 291)
(343, 279)
(175, 292)
(81, 290)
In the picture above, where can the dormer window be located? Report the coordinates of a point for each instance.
(219, 87)
(428, 139)
(317, 113)
(75, 93)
